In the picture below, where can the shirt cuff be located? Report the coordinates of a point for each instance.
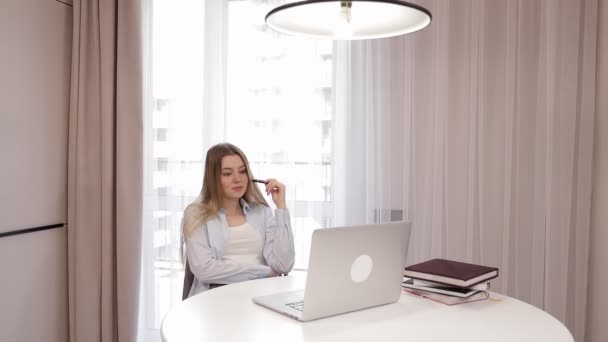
(264, 272)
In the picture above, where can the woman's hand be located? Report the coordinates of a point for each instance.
(277, 190)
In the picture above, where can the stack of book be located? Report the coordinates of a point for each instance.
(449, 282)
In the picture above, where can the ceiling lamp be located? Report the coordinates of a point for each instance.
(348, 20)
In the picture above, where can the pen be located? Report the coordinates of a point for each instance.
(258, 181)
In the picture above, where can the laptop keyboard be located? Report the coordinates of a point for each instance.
(296, 305)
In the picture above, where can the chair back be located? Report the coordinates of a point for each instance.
(188, 280)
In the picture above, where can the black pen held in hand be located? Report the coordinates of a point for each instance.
(258, 181)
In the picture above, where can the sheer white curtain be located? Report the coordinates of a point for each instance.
(215, 73)
(479, 130)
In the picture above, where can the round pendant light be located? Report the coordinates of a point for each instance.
(348, 20)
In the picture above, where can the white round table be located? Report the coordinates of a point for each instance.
(228, 314)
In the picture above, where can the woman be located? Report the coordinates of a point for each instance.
(230, 232)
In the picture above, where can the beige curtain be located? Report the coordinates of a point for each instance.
(479, 129)
(105, 171)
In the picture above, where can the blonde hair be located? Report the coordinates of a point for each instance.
(210, 200)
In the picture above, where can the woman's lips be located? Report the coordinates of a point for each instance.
(238, 188)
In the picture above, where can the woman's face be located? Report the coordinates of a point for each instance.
(233, 177)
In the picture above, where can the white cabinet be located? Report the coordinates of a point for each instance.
(35, 54)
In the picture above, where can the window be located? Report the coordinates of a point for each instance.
(279, 111)
(276, 105)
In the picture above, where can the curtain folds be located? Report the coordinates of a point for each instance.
(478, 129)
(105, 171)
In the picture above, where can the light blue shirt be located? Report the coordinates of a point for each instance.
(205, 248)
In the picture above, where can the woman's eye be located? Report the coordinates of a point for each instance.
(226, 174)
(243, 171)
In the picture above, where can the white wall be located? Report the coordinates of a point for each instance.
(597, 303)
(35, 53)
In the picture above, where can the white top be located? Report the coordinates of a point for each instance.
(211, 315)
(244, 245)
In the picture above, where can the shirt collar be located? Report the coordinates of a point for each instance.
(244, 204)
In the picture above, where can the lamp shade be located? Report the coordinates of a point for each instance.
(348, 20)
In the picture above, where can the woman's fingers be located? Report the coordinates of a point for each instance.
(272, 185)
(277, 190)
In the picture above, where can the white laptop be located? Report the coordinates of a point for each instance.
(350, 268)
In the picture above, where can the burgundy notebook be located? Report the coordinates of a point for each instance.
(451, 272)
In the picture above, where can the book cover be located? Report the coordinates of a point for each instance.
(483, 286)
(455, 291)
(448, 300)
(451, 272)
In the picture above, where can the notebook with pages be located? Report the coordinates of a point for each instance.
(350, 268)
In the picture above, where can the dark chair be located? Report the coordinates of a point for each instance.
(188, 279)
